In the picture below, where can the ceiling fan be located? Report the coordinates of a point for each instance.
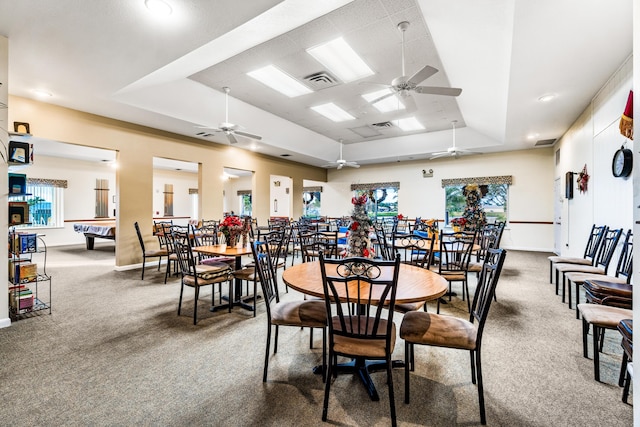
(340, 163)
(404, 84)
(453, 151)
(230, 129)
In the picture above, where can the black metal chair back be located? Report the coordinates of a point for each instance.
(608, 247)
(414, 249)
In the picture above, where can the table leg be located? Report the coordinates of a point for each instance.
(237, 299)
(90, 241)
(363, 368)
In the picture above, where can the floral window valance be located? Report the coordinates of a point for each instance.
(244, 192)
(193, 191)
(317, 189)
(482, 180)
(58, 183)
(375, 186)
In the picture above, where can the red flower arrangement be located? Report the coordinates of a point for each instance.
(231, 227)
(360, 200)
(459, 222)
(400, 216)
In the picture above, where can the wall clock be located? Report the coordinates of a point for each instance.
(622, 162)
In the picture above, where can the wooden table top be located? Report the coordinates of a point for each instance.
(414, 283)
(223, 250)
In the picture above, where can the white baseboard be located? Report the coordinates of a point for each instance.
(5, 323)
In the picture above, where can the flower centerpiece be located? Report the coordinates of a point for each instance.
(231, 227)
(458, 223)
(358, 243)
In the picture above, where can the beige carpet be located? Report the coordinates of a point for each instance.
(114, 352)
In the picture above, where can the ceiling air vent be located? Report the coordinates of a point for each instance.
(382, 125)
(545, 142)
(321, 80)
(204, 134)
(365, 131)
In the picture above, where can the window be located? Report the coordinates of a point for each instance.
(46, 203)
(311, 201)
(245, 203)
(494, 201)
(382, 198)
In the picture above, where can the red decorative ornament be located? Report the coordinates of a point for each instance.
(583, 179)
(360, 200)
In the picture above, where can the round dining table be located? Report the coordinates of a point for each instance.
(414, 284)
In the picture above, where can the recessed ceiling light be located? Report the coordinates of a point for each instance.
(158, 7)
(546, 98)
(390, 103)
(278, 80)
(42, 93)
(332, 112)
(341, 60)
(408, 124)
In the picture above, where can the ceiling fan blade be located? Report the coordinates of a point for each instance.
(352, 165)
(439, 154)
(340, 165)
(433, 90)
(232, 138)
(409, 104)
(385, 96)
(248, 135)
(422, 74)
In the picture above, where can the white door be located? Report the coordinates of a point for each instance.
(557, 216)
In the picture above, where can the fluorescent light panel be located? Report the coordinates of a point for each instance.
(341, 60)
(391, 103)
(332, 112)
(408, 124)
(278, 80)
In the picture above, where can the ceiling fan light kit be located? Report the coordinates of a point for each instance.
(404, 84)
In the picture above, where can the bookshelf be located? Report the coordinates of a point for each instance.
(29, 283)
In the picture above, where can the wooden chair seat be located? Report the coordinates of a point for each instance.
(371, 348)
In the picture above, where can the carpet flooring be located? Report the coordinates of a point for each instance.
(114, 352)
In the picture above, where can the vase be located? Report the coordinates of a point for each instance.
(456, 228)
(223, 246)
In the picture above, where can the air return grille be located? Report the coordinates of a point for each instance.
(321, 80)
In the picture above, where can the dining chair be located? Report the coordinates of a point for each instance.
(625, 327)
(149, 253)
(624, 270)
(454, 256)
(601, 265)
(301, 314)
(419, 327)
(273, 240)
(601, 317)
(413, 249)
(590, 252)
(197, 275)
(353, 289)
(383, 248)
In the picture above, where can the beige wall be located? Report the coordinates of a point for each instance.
(530, 196)
(136, 146)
